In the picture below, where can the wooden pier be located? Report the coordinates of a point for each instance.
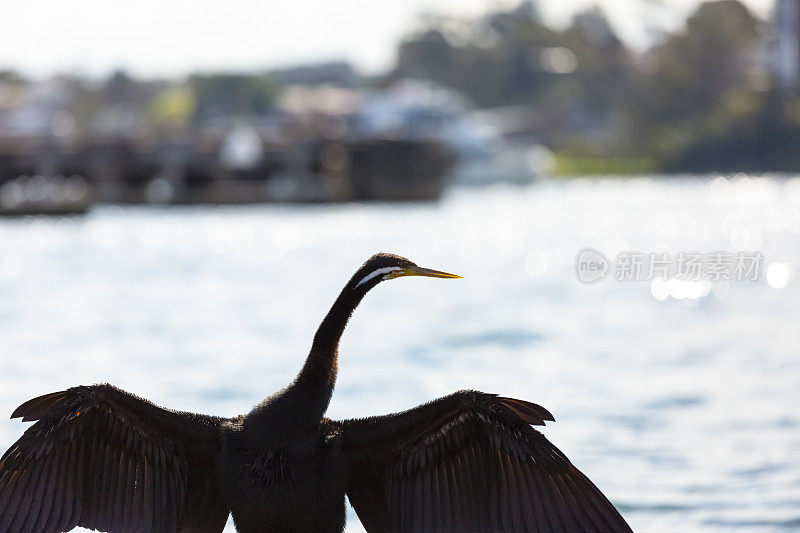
(124, 172)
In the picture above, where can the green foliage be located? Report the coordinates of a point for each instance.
(583, 165)
(233, 94)
(697, 95)
(501, 59)
(175, 105)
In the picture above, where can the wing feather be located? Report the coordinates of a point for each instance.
(44, 491)
(469, 462)
(101, 458)
(147, 487)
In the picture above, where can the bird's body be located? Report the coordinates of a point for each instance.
(286, 480)
(101, 458)
(285, 489)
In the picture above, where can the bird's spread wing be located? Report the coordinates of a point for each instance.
(101, 458)
(468, 462)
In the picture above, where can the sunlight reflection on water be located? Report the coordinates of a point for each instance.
(684, 411)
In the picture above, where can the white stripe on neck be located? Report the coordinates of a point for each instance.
(376, 273)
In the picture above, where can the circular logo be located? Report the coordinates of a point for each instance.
(591, 266)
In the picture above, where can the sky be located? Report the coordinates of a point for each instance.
(154, 38)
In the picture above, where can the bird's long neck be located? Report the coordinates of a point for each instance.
(318, 375)
(291, 417)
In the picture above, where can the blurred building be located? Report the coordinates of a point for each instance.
(335, 73)
(227, 138)
(785, 46)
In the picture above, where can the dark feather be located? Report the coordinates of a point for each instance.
(101, 458)
(469, 462)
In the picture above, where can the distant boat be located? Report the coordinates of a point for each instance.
(45, 195)
(516, 165)
(480, 150)
(486, 157)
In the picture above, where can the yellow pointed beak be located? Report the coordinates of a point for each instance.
(420, 271)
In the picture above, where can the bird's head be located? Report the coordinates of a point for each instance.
(385, 266)
(378, 268)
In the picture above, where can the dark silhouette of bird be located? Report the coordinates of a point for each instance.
(101, 458)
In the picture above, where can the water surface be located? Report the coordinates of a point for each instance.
(683, 411)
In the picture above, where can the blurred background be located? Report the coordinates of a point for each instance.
(185, 187)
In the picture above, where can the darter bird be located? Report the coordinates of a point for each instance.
(101, 458)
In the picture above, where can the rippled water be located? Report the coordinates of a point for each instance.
(684, 411)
